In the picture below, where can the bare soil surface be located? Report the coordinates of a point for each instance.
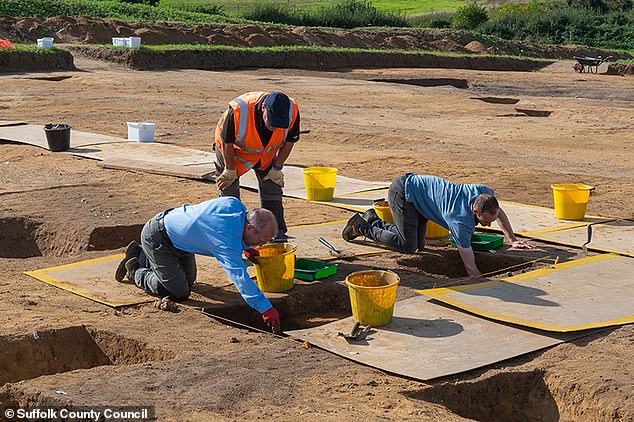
(57, 209)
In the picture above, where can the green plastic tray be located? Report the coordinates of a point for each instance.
(311, 269)
(484, 242)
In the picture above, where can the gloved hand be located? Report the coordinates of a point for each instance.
(226, 178)
(272, 319)
(275, 176)
(252, 254)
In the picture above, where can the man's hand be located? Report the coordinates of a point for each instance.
(226, 179)
(522, 244)
(252, 254)
(272, 319)
(275, 176)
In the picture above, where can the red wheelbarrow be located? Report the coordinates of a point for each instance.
(589, 64)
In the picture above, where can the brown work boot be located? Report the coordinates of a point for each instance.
(166, 304)
(131, 267)
(370, 216)
(133, 250)
(351, 231)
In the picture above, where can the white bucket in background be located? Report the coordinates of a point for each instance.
(134, 42)
(142, 132)
(46, 42)
(120, 42)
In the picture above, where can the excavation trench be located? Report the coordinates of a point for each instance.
(505, 397)
(56, 351)
(308, 305)
(24, 237)
(430, 82)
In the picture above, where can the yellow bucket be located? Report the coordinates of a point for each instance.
(570, 200)
(382, 209)
(275, 270)
(372, 296)
(320, 183)
(436, 234)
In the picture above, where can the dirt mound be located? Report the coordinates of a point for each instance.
(621, 69)
(298, 59)
(26, 61)
(87, 30)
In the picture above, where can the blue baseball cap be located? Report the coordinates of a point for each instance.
(278, 106)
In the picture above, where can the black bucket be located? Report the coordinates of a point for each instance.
(57, 136)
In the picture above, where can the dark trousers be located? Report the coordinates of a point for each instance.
(270, 193)
(163, 269)
(408, 231)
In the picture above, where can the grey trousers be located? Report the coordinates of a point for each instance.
(270, 193)
(163, 269)
(408, 231)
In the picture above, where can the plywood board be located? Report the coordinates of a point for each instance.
(10, 123)
(576, 295)
(93, 279)
(294, 183)
(528, 220)
(197, 172)
(426, 341)
(115, 152)
(360, 201)
(34, 135)
(614, 236)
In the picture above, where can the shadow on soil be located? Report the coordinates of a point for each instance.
(505, 397)
(23, 237)
(62, 350)
(456, 83)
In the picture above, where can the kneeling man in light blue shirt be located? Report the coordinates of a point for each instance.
(164, 263)
(415, 199)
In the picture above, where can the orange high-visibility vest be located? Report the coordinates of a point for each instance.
(248, 147)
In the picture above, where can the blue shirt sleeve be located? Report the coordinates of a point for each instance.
(462, 234)
(236, 270)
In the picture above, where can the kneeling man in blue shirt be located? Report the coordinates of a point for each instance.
(164, 263)
(414, 199)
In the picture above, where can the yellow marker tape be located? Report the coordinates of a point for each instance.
(440, 294)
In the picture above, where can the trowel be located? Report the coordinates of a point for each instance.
(588, 240)
(334, 251)
(357, 333)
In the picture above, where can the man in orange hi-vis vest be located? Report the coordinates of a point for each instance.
(257, 132)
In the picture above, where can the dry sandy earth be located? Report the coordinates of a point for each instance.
(186, 364)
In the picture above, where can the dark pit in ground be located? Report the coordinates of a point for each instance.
(447, 264)
(24, 237)
(61, 350)
(534, 113)
(457, 83)
(114, 237)
(18, 238)
(505, 397)
(497, 100)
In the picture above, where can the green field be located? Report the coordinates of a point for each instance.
(409, 7)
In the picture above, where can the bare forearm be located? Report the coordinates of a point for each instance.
(505, 225)
(229, 156)
(285, 151)
(468, 259)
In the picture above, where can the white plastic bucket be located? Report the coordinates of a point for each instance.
(141, 132)
(119, 42)
(46, 42)
(134, 42)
